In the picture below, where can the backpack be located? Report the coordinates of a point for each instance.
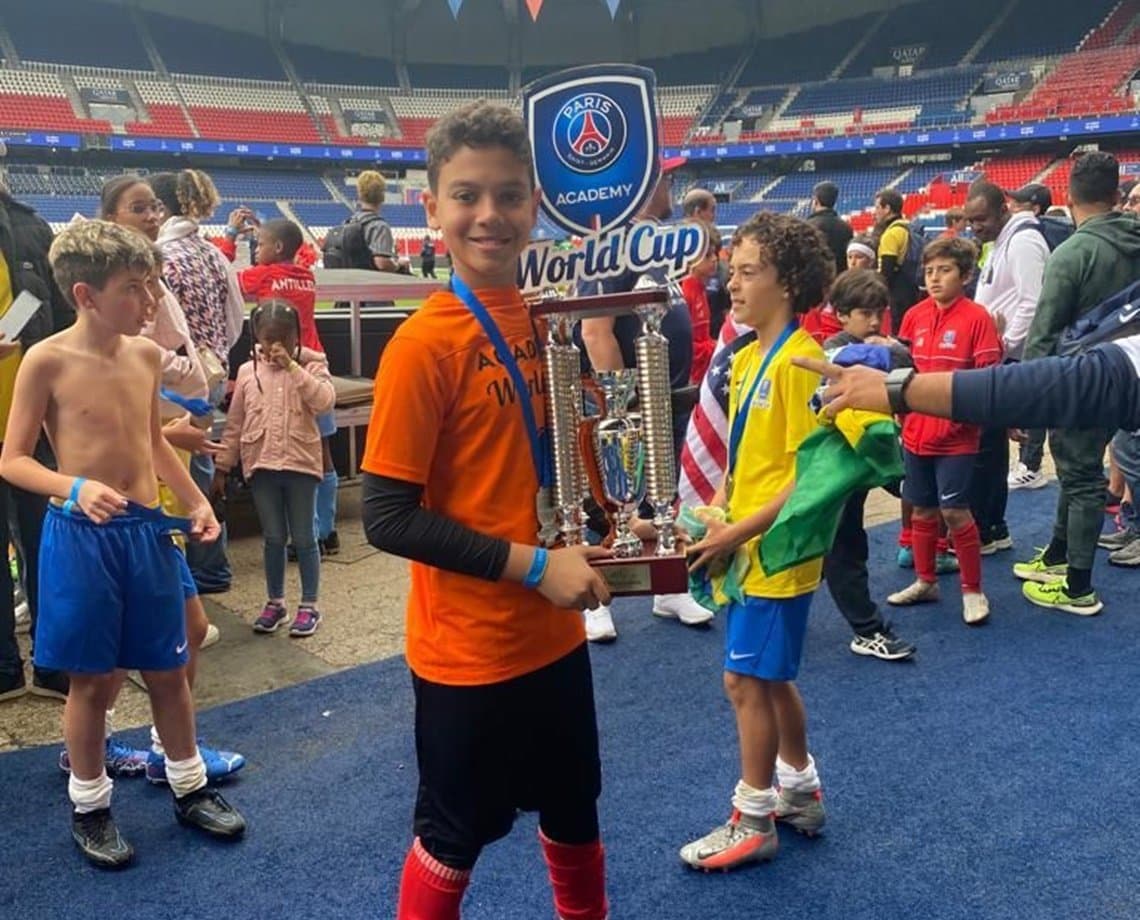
(346, 246)
(1053, 229)
(911, 266)
(1113, 318)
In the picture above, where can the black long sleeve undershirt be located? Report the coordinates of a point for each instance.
(1097, 389)
(396, 522)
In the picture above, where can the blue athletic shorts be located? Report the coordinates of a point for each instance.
(326, 424)
(111, 595)
(938, 482)
(189, 588)
(764, 637)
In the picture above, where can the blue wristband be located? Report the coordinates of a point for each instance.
(537, 568)
(73, 495)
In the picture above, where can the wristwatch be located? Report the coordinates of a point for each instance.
(897, 382)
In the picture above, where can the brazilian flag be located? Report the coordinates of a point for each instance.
(857, 450)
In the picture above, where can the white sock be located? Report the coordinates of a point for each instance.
(109, 723)
(793, 780)
(89, 795)
(156, 742)
(186, 776)
(756, 803)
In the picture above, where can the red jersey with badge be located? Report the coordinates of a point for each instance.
(953, 338)
(822, 322)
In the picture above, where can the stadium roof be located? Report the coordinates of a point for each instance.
(495, 31)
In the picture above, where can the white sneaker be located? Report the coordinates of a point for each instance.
(920, 592)
(975, 609)
(600, 625)
(1025, 478)
(211, 637)
(681, 607)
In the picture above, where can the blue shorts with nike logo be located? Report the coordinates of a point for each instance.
(764, 636)
(111, 595)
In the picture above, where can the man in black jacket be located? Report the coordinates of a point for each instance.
(834, 228)
(25, 239)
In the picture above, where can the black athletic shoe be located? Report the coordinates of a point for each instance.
(97, 836)
(12, 685)
(885, 646)
(52, 684)
(206, 810)
(330, 545)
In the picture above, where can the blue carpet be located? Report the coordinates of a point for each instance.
(994, 777)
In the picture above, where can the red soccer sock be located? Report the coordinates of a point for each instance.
(968, 545)
(906, 537)
(429, 890)
(578, 878)
(925, 532)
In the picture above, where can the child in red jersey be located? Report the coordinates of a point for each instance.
(945, 332)
(504, 698)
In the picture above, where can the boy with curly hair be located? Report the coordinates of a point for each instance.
(781, 267)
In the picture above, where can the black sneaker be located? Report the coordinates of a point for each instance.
(97, 836)
(12, 686)
(883, 645)
(330, 545)
(206, 810)
(52, 684)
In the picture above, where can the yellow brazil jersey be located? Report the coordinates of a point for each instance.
(779, 418)
(10, 364)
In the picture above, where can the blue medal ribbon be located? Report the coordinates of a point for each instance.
(199, 408)
(740, 420)
(539, 441)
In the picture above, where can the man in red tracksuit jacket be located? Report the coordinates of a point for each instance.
(945, 332)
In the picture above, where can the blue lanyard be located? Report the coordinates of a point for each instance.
(539, 449)
(740, 420)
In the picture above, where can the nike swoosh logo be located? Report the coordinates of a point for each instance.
(734, 657)
(950, 497)
(180, 649)
(1128, 315)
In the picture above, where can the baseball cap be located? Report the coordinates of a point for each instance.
(1034, 194)
(669, 164)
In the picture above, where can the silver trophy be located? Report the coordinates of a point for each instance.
(620, 455)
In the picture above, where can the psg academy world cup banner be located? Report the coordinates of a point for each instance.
(597, 160)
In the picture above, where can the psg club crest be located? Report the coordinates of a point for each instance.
(594, 134)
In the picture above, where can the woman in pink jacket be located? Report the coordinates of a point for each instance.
(272, 429)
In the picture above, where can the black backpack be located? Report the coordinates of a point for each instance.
(346, 246)
(1053, 229)
(1111, 319)
(911, 266)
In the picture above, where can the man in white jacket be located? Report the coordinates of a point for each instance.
(1009, 287)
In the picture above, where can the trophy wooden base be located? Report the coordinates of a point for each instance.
(646, 574)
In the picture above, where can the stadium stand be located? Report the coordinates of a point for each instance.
(37, 99)
(1026, 32)
(319, 65)
(94, 36)
(241, 111)
(188, 47)
(804, 56)
(164, 111)
(695, 67)
(918, 33)
(1084, 83)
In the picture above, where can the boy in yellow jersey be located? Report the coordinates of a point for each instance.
(781, 267)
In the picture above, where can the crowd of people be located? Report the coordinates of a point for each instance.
(110, 399)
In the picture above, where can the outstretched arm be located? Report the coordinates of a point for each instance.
(1098, 389)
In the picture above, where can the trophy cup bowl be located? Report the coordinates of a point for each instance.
(620, 454)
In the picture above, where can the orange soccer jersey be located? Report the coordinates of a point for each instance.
(445, 416)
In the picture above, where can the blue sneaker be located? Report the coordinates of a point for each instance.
(120, 758)
(906, 557)
(219, 764)
(945, 563)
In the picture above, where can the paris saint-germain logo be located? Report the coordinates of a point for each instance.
(589, 133)
(594, 134)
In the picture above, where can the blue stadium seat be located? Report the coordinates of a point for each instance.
(949, 87)
(322, 215)
(1027, 32)
(945, 35)
(58, 209)
(250, 185)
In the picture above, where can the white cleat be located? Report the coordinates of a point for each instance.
(681, 607)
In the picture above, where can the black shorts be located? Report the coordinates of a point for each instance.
(487, 752)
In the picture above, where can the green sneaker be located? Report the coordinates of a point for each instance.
(1055, 595)
(1036, 570)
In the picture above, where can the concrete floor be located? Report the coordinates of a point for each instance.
(362, 602)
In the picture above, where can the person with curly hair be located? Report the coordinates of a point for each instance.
(781, 267)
